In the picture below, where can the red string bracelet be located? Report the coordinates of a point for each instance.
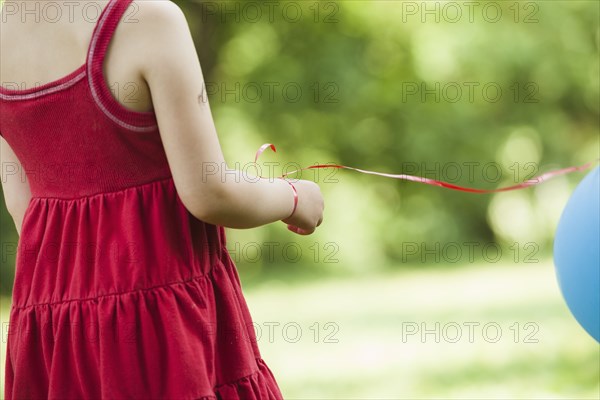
(295, 198)
(264, 146)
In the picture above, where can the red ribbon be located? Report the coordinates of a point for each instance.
(530, 182)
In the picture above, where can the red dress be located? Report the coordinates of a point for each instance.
(119, 293)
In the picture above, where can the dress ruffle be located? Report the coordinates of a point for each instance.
(257, 386)
(173, 324)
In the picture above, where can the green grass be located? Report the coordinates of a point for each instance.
(371, 360)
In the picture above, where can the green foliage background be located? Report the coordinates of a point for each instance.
(354, 62)
(543, 56)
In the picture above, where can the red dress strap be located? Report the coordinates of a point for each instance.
(113, 14)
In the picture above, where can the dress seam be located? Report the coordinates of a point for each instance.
(236, 381)
(170, 177)
(114, 294)
(216, 388)
(45, 89)
(110, 107)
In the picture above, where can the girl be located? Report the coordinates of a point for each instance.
(124, 287)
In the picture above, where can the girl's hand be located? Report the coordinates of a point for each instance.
(309, 212)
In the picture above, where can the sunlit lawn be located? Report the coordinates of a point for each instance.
(552, 357)
(372, 360)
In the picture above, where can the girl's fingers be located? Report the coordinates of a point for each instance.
(299, 231)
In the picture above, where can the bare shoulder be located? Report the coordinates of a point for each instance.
(154, 26)
(153, 15)
(150, 34)
(146, 21)
(158, 36)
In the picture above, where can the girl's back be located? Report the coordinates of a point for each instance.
(41, 44)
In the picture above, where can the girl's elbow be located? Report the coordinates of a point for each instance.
(209, 202)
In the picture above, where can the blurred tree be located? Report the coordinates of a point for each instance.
(479, 100)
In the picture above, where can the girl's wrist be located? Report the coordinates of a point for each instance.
(295, 198)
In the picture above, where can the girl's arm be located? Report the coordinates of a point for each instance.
(14, 185)
(209, 189)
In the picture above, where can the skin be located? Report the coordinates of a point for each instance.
(158, 55)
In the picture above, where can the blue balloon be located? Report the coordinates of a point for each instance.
(577, 253)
